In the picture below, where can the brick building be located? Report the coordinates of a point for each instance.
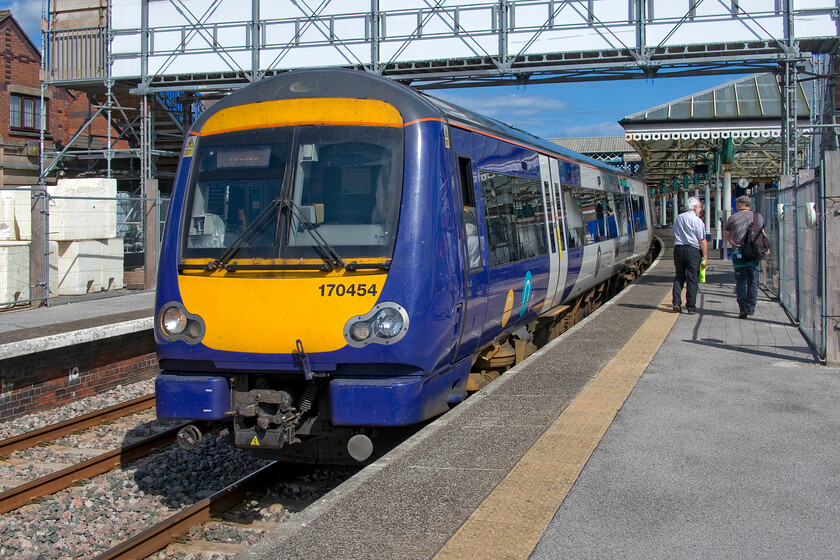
(20, 109)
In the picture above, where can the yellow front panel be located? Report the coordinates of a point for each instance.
(293, 112)
(267, 315)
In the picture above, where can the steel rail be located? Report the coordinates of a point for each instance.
(159, 536)
(56, 431)
(21, 495)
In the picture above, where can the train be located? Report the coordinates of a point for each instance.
(345, 257)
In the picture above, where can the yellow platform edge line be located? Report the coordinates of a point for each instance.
(510, 522)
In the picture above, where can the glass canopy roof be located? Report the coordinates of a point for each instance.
(744, 114)
(753, 97)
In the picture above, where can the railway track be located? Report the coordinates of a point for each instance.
(24, 493)
(161, 535)
(61, 429)
(189, 532)
(84, 508)
(45, 485)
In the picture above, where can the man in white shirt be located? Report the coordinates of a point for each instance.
(689, 254)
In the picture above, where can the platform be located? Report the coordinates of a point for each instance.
(51, 356)
(728, 445)
(25, 330)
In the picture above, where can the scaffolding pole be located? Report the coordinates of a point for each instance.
(788, 93)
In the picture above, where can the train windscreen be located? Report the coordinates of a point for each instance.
(286, 193)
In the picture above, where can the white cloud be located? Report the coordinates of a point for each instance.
(542, 115)
(606, 128)
(538, 114)
(28, 15)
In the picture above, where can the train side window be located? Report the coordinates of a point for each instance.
(472, 237)
(639, 221)
(582, 215)
(514, 216)
(600, 218)
(617, 223)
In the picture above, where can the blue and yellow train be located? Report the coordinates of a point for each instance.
(345, 255)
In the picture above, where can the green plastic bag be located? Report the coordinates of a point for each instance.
(703, 271)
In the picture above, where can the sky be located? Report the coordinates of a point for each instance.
(548, 110)
(580, 109)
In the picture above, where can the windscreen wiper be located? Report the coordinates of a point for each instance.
(328, 254)
(244, 237)
(368, 266)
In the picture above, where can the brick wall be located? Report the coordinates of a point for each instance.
(21, 61)
(53, 378)
(67, 110)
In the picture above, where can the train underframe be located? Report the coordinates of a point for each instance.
(492, 361)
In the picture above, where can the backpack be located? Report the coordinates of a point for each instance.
(756, 245)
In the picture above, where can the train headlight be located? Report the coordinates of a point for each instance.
(174, 322)
(360, 330)
(386, 323)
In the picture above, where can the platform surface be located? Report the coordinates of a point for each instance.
(26, 330)
(728, 447)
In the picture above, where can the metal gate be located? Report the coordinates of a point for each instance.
(797, 217)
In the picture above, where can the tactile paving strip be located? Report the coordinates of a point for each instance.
(510, 522)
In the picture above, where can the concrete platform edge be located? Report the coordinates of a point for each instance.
(62, 340)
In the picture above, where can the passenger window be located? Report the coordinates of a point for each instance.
(593, 216)
(616, 222)
(622, 217)
(515, 218)
(639, 221)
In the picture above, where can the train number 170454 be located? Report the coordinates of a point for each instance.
(341, 290)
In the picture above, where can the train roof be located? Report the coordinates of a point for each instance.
(329, 82)
(412, 105)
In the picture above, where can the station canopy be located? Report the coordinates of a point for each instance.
(743, 117)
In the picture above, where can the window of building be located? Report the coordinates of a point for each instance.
(515, 217)
(24, 112)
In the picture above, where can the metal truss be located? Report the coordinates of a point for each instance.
(488, 54)
(509, 47)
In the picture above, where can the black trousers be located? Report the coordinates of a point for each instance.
(687, 266)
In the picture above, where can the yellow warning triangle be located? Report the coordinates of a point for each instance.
(191, 142)
(255, 441)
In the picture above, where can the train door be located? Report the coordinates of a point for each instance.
(473, 235)
(550, 176)
(623, 219)
(631, 226)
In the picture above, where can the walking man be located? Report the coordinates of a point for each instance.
(746, 272)
(689, 254)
